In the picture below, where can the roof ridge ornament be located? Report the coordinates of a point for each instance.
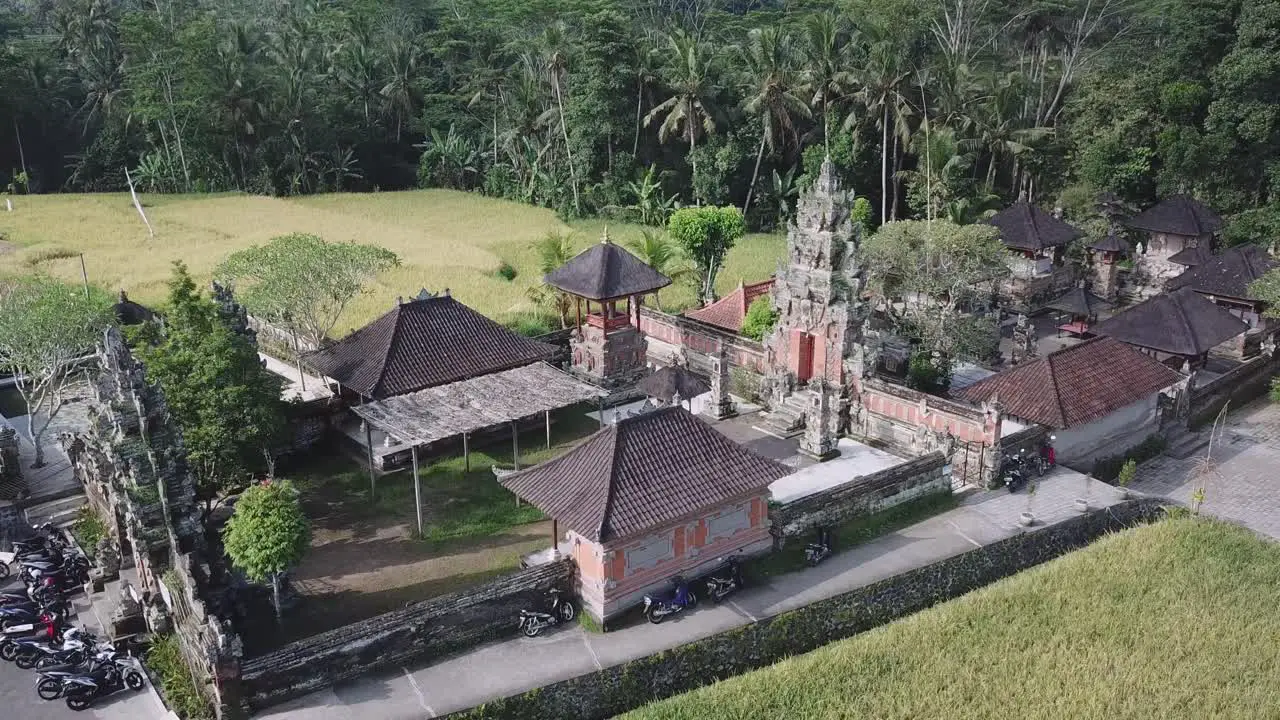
(604, 238)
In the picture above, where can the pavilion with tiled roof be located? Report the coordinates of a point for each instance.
(1225, 278)
(729, 311)
(1026, 227)
(1178, 215)
(1178, 326)
(652, 496)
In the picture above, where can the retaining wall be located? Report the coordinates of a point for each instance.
(421, 631)
(620, 688)
(928, 475)
(1248, 381)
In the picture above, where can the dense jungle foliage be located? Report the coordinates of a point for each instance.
(944, 108)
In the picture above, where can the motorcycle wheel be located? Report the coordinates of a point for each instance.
(25, 662)
(567, 611)
(8, 652)
(49, 689)
(4, 571)
(133, 680)
(654, 616)
(46, 662)
(711, 593)
(531, 629)
(79, 702)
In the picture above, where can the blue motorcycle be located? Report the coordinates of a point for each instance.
(678, 598)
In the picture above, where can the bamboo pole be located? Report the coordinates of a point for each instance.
(417, 489)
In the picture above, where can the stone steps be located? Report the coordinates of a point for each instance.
(1185, 445)
(61, 512)
(787, 419)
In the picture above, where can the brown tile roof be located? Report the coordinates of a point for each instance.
(423, 343)
(1228, 274)
(729, 311)
(605, 271)
(668, 381)
(1192, 256)
(1026, 227)
(1181, 322)
(642, 473)
(1075, 385)
(1178, 215)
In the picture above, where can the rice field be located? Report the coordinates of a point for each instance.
(1173, 620)
(444, 239)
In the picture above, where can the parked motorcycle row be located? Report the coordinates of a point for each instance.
(1017, 470)
(70, 663)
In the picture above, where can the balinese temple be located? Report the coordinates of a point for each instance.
(1078, 308)
(672, 385)
(1106, 254)
(1036, 241)
(1224, 279)
(1178, 233)
(728, 312)
(1178, 328)
(608, 285)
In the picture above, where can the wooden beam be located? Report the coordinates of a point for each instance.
(373, 478)
(547, 416)
(466, 451)
(515, 444)
(555, 536)
(417, 489)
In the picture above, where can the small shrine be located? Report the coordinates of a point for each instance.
(1106, 255)
(607, 345)
(1078, 310)
(1179, 232)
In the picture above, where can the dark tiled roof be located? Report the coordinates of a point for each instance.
(1178, 215)
(1181, 322)
(1229, 274)
(421, 344)
(641, 473)
(1075, 385)
(1111, 243)
(129, 312)
(605, 271)
(1079, 301)
(1026, 227)
(729, 311)
(668, 381)
(1192, 256)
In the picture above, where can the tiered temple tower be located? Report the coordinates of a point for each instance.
(817, 293)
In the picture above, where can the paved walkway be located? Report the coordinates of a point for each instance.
(514, 666)
(1244, 484)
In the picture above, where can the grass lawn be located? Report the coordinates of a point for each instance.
(1177, 619)
(444, 239)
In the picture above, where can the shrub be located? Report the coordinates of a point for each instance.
(506, 271)
(760, 318)
(89, 529)
(532, 324)
(1108, 468)
(1127, 473)
(180, 691)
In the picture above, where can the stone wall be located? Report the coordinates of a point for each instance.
(863, 495)
(620, 688)
(13, 486)
(1248, 381)
(422, 631)
(699, 341)
(13, 524)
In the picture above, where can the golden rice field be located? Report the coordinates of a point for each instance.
(444, 239)
(1173, 620)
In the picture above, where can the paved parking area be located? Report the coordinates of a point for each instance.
(1243, 484)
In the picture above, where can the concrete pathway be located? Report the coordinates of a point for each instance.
(514, 666)
(1243, 484)
(292, 390)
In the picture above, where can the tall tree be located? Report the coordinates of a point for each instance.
(770, 77)
(706, 234)
(267, 534)
(880, 82)
(691, 109)
(46, 329)
(826, 65)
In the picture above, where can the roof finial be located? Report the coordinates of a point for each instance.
(604, 239)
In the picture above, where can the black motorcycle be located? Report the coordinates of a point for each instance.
(560, 610)
(1015, 473)
(819, 550)
(81, 690)
(724, 581)
(30, 651)
(48, 629)
(680, 597)
(52, 683)
(28, 614)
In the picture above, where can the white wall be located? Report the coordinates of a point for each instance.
(1080, 446)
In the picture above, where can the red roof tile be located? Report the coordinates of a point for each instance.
(729, 311)
(1075, 385)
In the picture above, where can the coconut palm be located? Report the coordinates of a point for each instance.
(691, 109)
(825, 49)
(657, 250)
(554, 54)
(770, 79)
(880, 82)
(553, 250)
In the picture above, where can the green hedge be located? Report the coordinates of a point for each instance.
(1108, 468)
(88, 530)
(179, 689)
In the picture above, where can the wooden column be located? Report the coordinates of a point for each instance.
(555, 536)
(547, 416)
(466, 452)
(577, 303)
(417, 489)
(515, 444)
(600, 404)
(373, 478)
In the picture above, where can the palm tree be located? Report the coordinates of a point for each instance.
(657, 250)
(553, 250)
(488, 80)
(826, 60)
(401, 63)
(553, 46)
(644, 66)
(879, 86)
(770, 76)
(997, 126)
(691, 108)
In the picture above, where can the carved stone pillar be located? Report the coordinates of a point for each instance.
(819, 439)
(721, 406)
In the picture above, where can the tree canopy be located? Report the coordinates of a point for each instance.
(568, 105)
(706, 234)
(225, 402)
(268, 533)
(302, 282)
(46, 327)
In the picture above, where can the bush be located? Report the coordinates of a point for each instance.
(532, 324)
(1127, 473)
(760, 318)
(179, 689)
(506, 271)
(925, 375)
(1108, 468)
(89, 529)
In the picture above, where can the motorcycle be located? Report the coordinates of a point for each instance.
(81, 690)
(724, 580)
(561, 610)
(72, 570)
(816, 552)
(12, 640)
(1015, 473)
(30, 651)
(6, 559)
(86, 648)
(51, 685)
(15, 615)
(680, 597)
